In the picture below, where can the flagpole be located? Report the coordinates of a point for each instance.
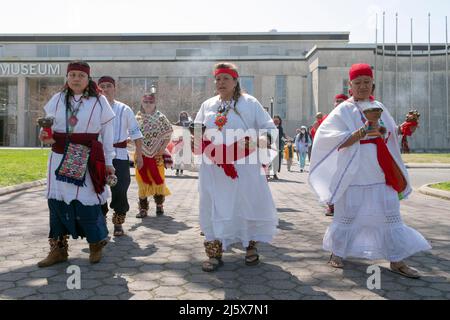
(376, 45)
(446, 76)
(411, 66)
(382, 74)
(429, 75)
(397, 106)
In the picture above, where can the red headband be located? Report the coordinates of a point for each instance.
(360, 69)
(149, 98)
(107, 79)
(78, 67)
(341, 96)
(231, 72)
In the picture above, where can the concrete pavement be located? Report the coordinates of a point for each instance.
(160, 257)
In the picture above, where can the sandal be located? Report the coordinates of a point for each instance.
(118, 230)
(403, 269)
(142, 214)
(336, 262)
(252, 257)
(212, 264)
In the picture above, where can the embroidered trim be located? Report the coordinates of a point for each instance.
(73, 166)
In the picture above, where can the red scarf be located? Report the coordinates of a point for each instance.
(150, 167)
(220, 155)
(394, 176)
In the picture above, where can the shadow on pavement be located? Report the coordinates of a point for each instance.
(103, 281)
(165, 224)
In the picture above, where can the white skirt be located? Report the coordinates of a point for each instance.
(236, 211)
(67, 192)
(367, 224)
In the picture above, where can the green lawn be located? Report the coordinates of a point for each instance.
(19, 166)
(442, 186)
(426, 158)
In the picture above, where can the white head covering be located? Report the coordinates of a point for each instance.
(367, 104)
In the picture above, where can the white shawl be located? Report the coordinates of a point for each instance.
(332, 171)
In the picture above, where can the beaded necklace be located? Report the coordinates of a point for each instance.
(73, 111)
(222, 113)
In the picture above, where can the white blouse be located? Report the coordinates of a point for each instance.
(94, 116)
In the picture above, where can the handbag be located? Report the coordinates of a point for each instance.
(74, 164)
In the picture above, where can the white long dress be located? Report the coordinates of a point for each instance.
(240, 210)
(367, 221)
(93, 117)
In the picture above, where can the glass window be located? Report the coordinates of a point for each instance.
(199, 95)
(188, 52)
(39, 92)
(130, 90)
(42, 51)
(247, 85)
(8, 112)
(280, 97)
(239, 51)
(174, 94)
(64, 51)
(345, 88)
(269, 51)
(53, 50)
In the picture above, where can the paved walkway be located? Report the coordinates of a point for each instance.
(160, 257)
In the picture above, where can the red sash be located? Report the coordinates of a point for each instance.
(393, 174)
(121, 145)
(150, 167)
(96, 164)
(224, 156)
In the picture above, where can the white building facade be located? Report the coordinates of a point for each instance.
(300, 72)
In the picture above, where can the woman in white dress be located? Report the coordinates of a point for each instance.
(78, 164)
(356, 165)
(236, 204)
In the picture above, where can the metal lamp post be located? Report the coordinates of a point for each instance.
(271, 107)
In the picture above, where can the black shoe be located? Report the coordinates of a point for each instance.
(159, 211)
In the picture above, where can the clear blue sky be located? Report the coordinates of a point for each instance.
(181, 16)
